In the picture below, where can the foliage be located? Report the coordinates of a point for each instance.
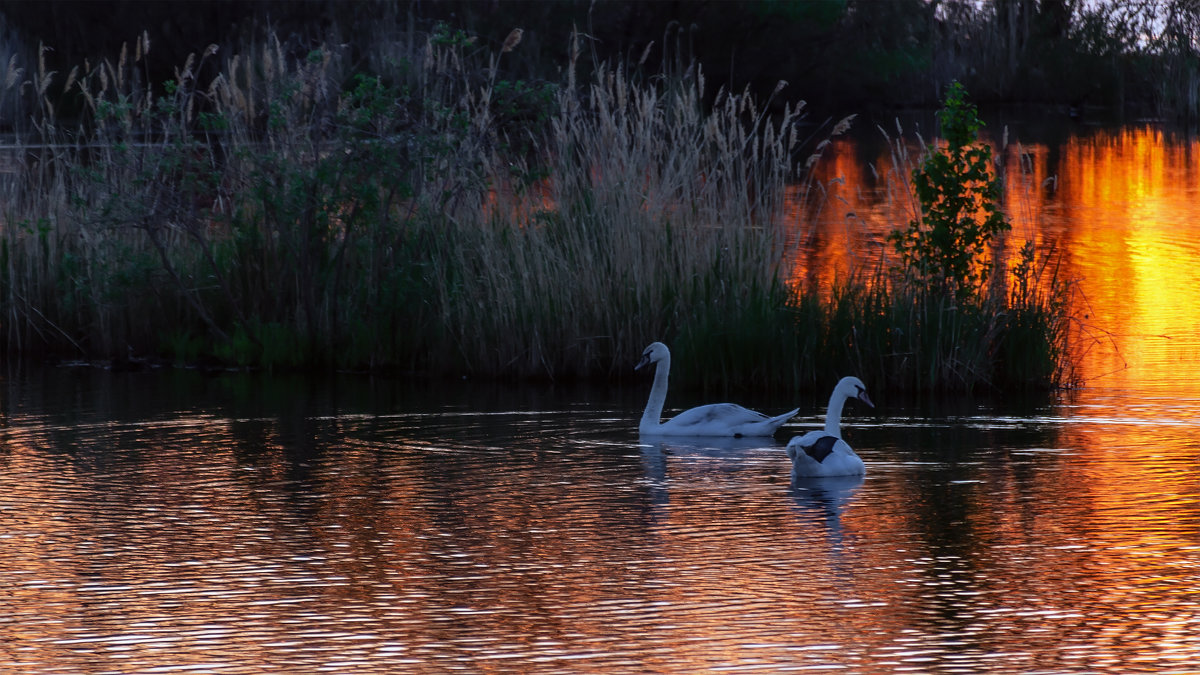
(900, 335)
(959, 197)
(440, 216)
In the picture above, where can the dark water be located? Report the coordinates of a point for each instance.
(174, 522)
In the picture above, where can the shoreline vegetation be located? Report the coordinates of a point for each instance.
(426, 213)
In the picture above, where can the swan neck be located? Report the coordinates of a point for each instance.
(833, 416)
(658, 395)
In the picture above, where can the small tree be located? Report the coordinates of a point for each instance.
(959, 196)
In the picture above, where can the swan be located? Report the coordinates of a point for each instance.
(824, 453)
(715, 419)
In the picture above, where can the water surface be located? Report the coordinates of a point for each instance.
(177, 522)
(1114, 211)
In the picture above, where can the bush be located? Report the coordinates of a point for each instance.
(959, 196)
(440, 217)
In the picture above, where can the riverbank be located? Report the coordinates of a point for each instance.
(440, 218)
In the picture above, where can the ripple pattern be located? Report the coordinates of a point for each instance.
(552, 539)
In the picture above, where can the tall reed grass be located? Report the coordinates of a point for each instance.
(277, 208)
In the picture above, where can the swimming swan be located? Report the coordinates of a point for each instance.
(716, 419)
(824, 453)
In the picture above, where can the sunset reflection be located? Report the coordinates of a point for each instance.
(431, 537)
(1129, 201)
(1118, 206)
(856, 201)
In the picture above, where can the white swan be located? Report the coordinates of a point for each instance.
(824, 453)
(715, 419)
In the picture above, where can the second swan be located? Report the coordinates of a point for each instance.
(824, 453)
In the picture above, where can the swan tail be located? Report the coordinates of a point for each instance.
(788, 415)
(779, 420)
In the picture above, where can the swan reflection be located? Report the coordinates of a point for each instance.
(824, 499)
(734, 453)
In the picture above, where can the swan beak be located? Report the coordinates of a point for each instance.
(643, 363)
(862, 396)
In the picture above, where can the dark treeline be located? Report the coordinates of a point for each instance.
(1137, 57)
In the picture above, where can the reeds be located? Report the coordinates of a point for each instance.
(903, 336)
(274, 209)
(895, 329)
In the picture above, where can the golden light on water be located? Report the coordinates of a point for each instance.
(856, 211)
(1133, 236)
(1120, 209)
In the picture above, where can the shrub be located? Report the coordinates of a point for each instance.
(441, 217)
(959, 196)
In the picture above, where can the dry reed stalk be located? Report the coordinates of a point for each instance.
(661, 219)
(12, 73)
(658, 213)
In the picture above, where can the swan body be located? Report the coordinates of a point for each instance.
(715, 419)
(824, 453)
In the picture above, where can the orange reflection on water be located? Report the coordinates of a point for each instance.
(856, 201)
(1133, 237)
(1118, 206)
(1120, 209)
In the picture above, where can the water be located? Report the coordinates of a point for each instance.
(177, 522)
(170, 521)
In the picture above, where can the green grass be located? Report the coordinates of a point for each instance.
(435, 216)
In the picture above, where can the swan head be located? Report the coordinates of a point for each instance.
(654, 353)
(852, 387)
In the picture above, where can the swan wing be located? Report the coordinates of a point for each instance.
(724, 419)
(798, 445)
(717, 413)
(821, 447)
(820, 454)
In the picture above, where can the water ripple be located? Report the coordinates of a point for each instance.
(558, 541)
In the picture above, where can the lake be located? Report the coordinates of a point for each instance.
(174, 521)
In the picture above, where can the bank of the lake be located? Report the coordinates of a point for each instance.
(299, 214)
